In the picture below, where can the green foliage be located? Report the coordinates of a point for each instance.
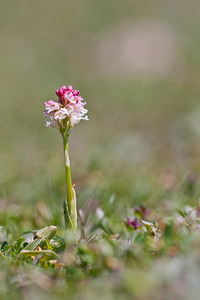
(105, 252)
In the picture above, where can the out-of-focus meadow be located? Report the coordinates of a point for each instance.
(137, 64)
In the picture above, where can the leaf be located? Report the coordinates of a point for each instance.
(19, 243)
(28, 237)
(92, 238)
(33, 245)
(48, 246)
(47, 232)
(46, 254)
(68, 219)
(74, 210)
(181, 212)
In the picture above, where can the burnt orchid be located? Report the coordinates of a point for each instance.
(63, 115)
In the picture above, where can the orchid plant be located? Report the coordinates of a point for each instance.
(63, 115)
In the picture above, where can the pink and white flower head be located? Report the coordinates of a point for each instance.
(68, 111)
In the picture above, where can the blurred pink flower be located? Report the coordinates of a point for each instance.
(142, 211)
(133, 223)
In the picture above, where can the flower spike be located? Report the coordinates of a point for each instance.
(68, 111)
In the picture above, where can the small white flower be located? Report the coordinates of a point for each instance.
(51, 106)
(155, 230)
(69, 97)
(51, 123)
(61, 114)
(74, 119)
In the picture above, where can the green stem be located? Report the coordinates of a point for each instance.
(70, 203)
(68, 172)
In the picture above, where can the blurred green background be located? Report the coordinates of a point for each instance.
(136, 63)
